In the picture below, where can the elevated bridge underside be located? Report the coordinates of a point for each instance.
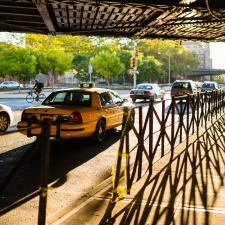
(205, 72)
(197, 74)
(196, 20)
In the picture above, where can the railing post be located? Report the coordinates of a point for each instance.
(45, 154)
(172, 126)
(151, 134)
(140, 143)
(198, 105)
(128, 159)
(206, 107)
(163, 127)
(188, 126)
(119, 157)
(181, 118)
(193, 113)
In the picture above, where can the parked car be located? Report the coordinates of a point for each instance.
(183, 87)
(77, 112)
(6, 117)
(209, 86)
(10, 84)
(147, 91)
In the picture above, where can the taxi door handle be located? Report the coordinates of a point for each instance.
(106, 110)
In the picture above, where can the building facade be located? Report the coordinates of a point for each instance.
(202, 51)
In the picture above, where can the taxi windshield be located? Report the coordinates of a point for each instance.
(68, 98)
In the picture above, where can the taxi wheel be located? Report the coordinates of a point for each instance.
(4, 122)
(99, 134)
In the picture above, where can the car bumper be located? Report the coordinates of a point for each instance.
(141, 96)
(59, 130)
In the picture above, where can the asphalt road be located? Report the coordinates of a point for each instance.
(77, 166)
(18, 103)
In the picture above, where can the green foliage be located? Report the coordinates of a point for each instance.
(54, 60)
(108, 65)
(80, 64)
(218, 78)
(110, 57)
(17, 62)
(150, 69)
(124, 56)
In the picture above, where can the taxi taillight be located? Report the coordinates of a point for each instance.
(75, 117)
(131, 92)
(24, 116)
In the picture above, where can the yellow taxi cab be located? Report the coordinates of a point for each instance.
(79, 112)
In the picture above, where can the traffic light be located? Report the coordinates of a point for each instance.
(177, 42)
(136, 52)
(180, 45)
(132, 62)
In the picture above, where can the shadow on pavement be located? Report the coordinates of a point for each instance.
(189, 189)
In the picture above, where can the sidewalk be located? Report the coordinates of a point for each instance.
(189, 189)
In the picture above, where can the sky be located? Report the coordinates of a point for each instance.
(217, 53)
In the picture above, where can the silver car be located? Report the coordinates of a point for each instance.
(147, 91)
(6, 117)
(10, 84)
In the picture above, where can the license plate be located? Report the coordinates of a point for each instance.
(180, 93)
(47, 117)
(138, 93)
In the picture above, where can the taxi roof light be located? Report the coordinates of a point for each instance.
(86, 85)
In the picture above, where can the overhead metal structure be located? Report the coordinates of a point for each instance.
(196, 20)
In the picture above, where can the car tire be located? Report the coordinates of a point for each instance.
(99, 134)
(4, 122)
(133, 99)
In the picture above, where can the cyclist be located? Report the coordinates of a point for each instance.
(37, 89)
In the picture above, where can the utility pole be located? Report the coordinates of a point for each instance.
(169, 70)
(135, 67)
(90, 70)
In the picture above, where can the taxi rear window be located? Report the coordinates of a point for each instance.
(69, 98)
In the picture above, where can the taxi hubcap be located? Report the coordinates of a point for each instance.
(100, 131)
(3, 123)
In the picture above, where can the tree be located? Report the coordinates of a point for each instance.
(150, 69)
(54, 62)
(17, 62)
(80, 64)
(67, 43)
(124, 56)
(108, 65)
